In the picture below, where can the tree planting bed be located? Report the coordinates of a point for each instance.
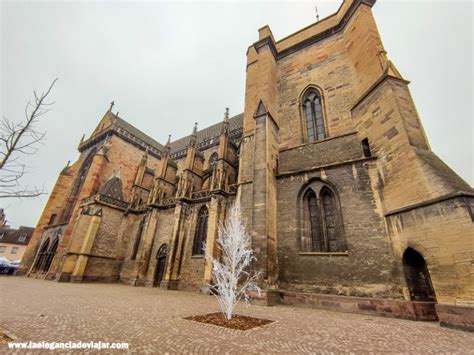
(237, 322)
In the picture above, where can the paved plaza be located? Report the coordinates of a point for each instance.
(151, 321)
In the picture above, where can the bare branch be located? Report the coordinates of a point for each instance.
(20, 139)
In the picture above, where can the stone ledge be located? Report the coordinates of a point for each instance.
(291, 173)
(420, 311)
(457, 317)
(319, 253)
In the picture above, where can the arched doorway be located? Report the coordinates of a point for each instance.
(160, 265)
(50, 255)
(417, 277)
(40, 258)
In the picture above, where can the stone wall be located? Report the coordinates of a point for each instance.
(368, 268)
(326, 67)
(103, 263)
(443, 234)
(191, 267)
(163, 234)
(335, 150)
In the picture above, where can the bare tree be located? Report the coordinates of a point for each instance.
(232, 280)
(20, 139)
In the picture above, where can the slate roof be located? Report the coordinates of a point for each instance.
(12, 236)
(112, 188)
(120, 122)
(235, 123)
(450, 179)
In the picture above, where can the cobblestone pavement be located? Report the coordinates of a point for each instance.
(151, 320)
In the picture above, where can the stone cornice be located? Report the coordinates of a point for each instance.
(385, 76)
(430, 202)
(287, 174)
(314, 38)
(353, 133)
(267, 41)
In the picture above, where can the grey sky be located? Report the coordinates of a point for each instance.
(167, 65)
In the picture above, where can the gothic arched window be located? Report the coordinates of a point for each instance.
(136, 244)
(201, 231)
(329, 208)
(40, 258)
(313, 114)
(322, 224)
(81, 177)
(50, 255)
(314, 221)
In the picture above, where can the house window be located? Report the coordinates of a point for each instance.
(2, 249)
(201, 231)
(136, 244)
(14, 250)
(313, 115)
(2, 235)
(22, 238)
(322, 223)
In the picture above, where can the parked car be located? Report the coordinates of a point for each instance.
(8, 267)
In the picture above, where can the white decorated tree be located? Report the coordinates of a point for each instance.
(231, 275)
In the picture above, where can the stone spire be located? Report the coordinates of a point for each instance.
(224, 138)
(225, 123)
(141, 169)
(168, 145)
(117, 173)
(193, 140)
(145, 157)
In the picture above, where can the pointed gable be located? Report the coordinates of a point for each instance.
(112, 188)
(392, 70)
(261, 110)
(104, 123)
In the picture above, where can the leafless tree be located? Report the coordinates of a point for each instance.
(18, 139)
(232, 279)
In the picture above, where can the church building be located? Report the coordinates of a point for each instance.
(348, 207)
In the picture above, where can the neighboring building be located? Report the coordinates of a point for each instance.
(13, 242)
(3, 220)
(347, 205)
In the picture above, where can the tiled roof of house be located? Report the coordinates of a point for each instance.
(14, 236)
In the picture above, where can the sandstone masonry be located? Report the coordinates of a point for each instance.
(348, 207)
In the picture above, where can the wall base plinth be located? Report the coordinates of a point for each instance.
(421, 311)
(456, 317)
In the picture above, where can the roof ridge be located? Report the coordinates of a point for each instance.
(122, 121)
(212, 131)
(235, 122)
(215, 125)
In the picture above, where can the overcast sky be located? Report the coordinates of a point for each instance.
(169, 64)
